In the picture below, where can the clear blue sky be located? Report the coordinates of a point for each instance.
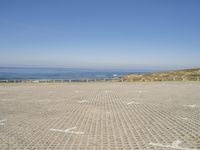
(128, 34)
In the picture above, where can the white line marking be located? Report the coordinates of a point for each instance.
(2, 122)
(192, 106)
(6, 100)
(175, 145)
(83, 101)
(43, 100)
(184, 118)
(67, 131)
(57, 130)
(140, 91)
(76, 132)
(133, 102)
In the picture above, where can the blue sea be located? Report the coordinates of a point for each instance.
(59, 74)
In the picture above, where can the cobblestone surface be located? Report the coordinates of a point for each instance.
(102, 116)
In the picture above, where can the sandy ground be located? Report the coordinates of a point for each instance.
(106, 116)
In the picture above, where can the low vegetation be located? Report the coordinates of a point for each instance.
(179, 75)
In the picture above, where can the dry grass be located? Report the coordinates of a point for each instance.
(180, 75)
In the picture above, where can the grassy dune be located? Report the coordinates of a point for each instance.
(179, 75)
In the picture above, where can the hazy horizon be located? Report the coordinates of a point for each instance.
(121, 69)
(129, 35)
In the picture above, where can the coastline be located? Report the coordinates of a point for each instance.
(68, 77)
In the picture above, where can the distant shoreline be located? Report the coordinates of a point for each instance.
(51, 74)
(60, 80)
(29, 75)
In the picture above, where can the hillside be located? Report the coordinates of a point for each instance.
(179, 75)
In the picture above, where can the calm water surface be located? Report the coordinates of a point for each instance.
(58, 73)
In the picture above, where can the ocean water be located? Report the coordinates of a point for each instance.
(59, 74)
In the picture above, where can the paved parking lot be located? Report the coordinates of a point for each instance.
(102, 116)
